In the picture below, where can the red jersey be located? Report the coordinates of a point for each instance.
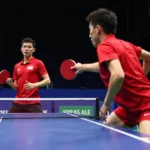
(135, 90)
(31, 72)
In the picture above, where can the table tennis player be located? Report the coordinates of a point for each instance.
(121, 71)
(26, 80)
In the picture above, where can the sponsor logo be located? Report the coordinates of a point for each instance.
(148, 114)
(6, 111)
(3, 111)
(45, 111)
(79, 110)
(30, 67)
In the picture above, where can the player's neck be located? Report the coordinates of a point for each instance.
(26, 59)
(103, 36)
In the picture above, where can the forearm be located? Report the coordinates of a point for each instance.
(14, 86)
(93, 67)
(43, 83)
(115, 84)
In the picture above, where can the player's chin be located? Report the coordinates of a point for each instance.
(94, 44)
(27, 55)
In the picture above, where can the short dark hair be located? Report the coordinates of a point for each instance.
(105, 18)
(30, 40)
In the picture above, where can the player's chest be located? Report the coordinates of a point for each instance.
(26, 69)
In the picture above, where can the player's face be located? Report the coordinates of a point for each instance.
(94, 35)
(27, 49)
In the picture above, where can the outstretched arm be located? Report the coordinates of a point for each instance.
(90, 67)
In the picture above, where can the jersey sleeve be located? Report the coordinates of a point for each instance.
(138, 49)
(42, 69)
(106, 53)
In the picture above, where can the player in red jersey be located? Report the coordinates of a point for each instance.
(26, 76)
(121, 71)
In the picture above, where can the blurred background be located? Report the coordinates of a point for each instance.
(61, 32)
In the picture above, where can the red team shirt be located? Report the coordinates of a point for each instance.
(135, 92)
(31, 72)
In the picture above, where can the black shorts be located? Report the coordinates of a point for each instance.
(25, 108)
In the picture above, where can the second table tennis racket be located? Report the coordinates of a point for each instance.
(4, 74)
(66, 71)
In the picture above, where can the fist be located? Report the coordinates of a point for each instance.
(78, 68)
(9, 81)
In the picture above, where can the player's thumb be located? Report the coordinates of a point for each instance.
(73, 67)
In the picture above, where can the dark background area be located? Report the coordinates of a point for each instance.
(61, 31)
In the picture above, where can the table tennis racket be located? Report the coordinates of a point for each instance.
(4, 74)
(66, 71)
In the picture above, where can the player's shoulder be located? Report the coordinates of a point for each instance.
(38, 61)
(106, 44)
(18, 64)
(116, 42)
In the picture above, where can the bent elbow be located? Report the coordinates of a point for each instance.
(121, 76)
(49, 81)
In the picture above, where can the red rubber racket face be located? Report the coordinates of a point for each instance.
(4, 74)
(66, 71)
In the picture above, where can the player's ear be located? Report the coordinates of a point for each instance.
(98, 28)
(21, 49)
(34, 49)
